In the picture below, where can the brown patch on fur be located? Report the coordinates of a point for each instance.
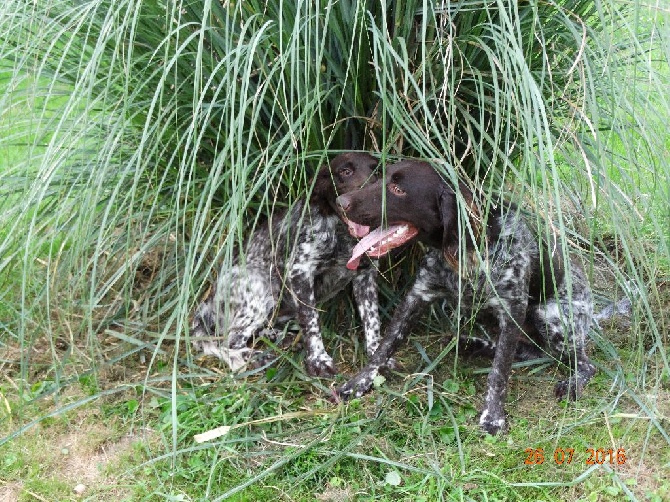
(451, 248)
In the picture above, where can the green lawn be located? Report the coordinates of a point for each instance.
(413, 439)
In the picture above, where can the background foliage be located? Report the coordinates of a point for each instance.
(142, 140)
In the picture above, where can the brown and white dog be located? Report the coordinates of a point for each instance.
(290, 265)
(499, 271)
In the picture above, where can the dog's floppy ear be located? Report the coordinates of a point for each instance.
(323, 194)
(453, 236)
(448, 213)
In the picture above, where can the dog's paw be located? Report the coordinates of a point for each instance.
(321, 366)
(236, 358)
(358, 385)
(492, 422)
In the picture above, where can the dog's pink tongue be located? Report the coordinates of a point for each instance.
(380, 241)
(357, 230)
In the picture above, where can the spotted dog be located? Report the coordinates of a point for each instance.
(290, 265)
(497, 269)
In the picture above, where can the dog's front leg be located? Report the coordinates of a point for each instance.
(317, 360)
(428, 287)
(365, 294)
(411, 307)
(492, 419)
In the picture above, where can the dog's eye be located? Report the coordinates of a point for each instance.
(346, 171)
(395, 189)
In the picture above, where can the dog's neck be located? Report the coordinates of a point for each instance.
(462, 252)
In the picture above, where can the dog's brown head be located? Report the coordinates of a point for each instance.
(345, 173)
(411, 201)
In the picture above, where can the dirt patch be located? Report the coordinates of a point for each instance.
(10, 492)
(79, 461)
(87, 453)
(87, 457)
(332, 494)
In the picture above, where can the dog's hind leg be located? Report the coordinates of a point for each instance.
(564, 322)
(237, 310)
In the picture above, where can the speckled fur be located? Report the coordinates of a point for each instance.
(291, 265)
(515, 285)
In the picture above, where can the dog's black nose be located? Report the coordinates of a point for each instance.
(344, 201)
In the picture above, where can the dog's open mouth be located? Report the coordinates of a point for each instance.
(355, 229)
(380, 241)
